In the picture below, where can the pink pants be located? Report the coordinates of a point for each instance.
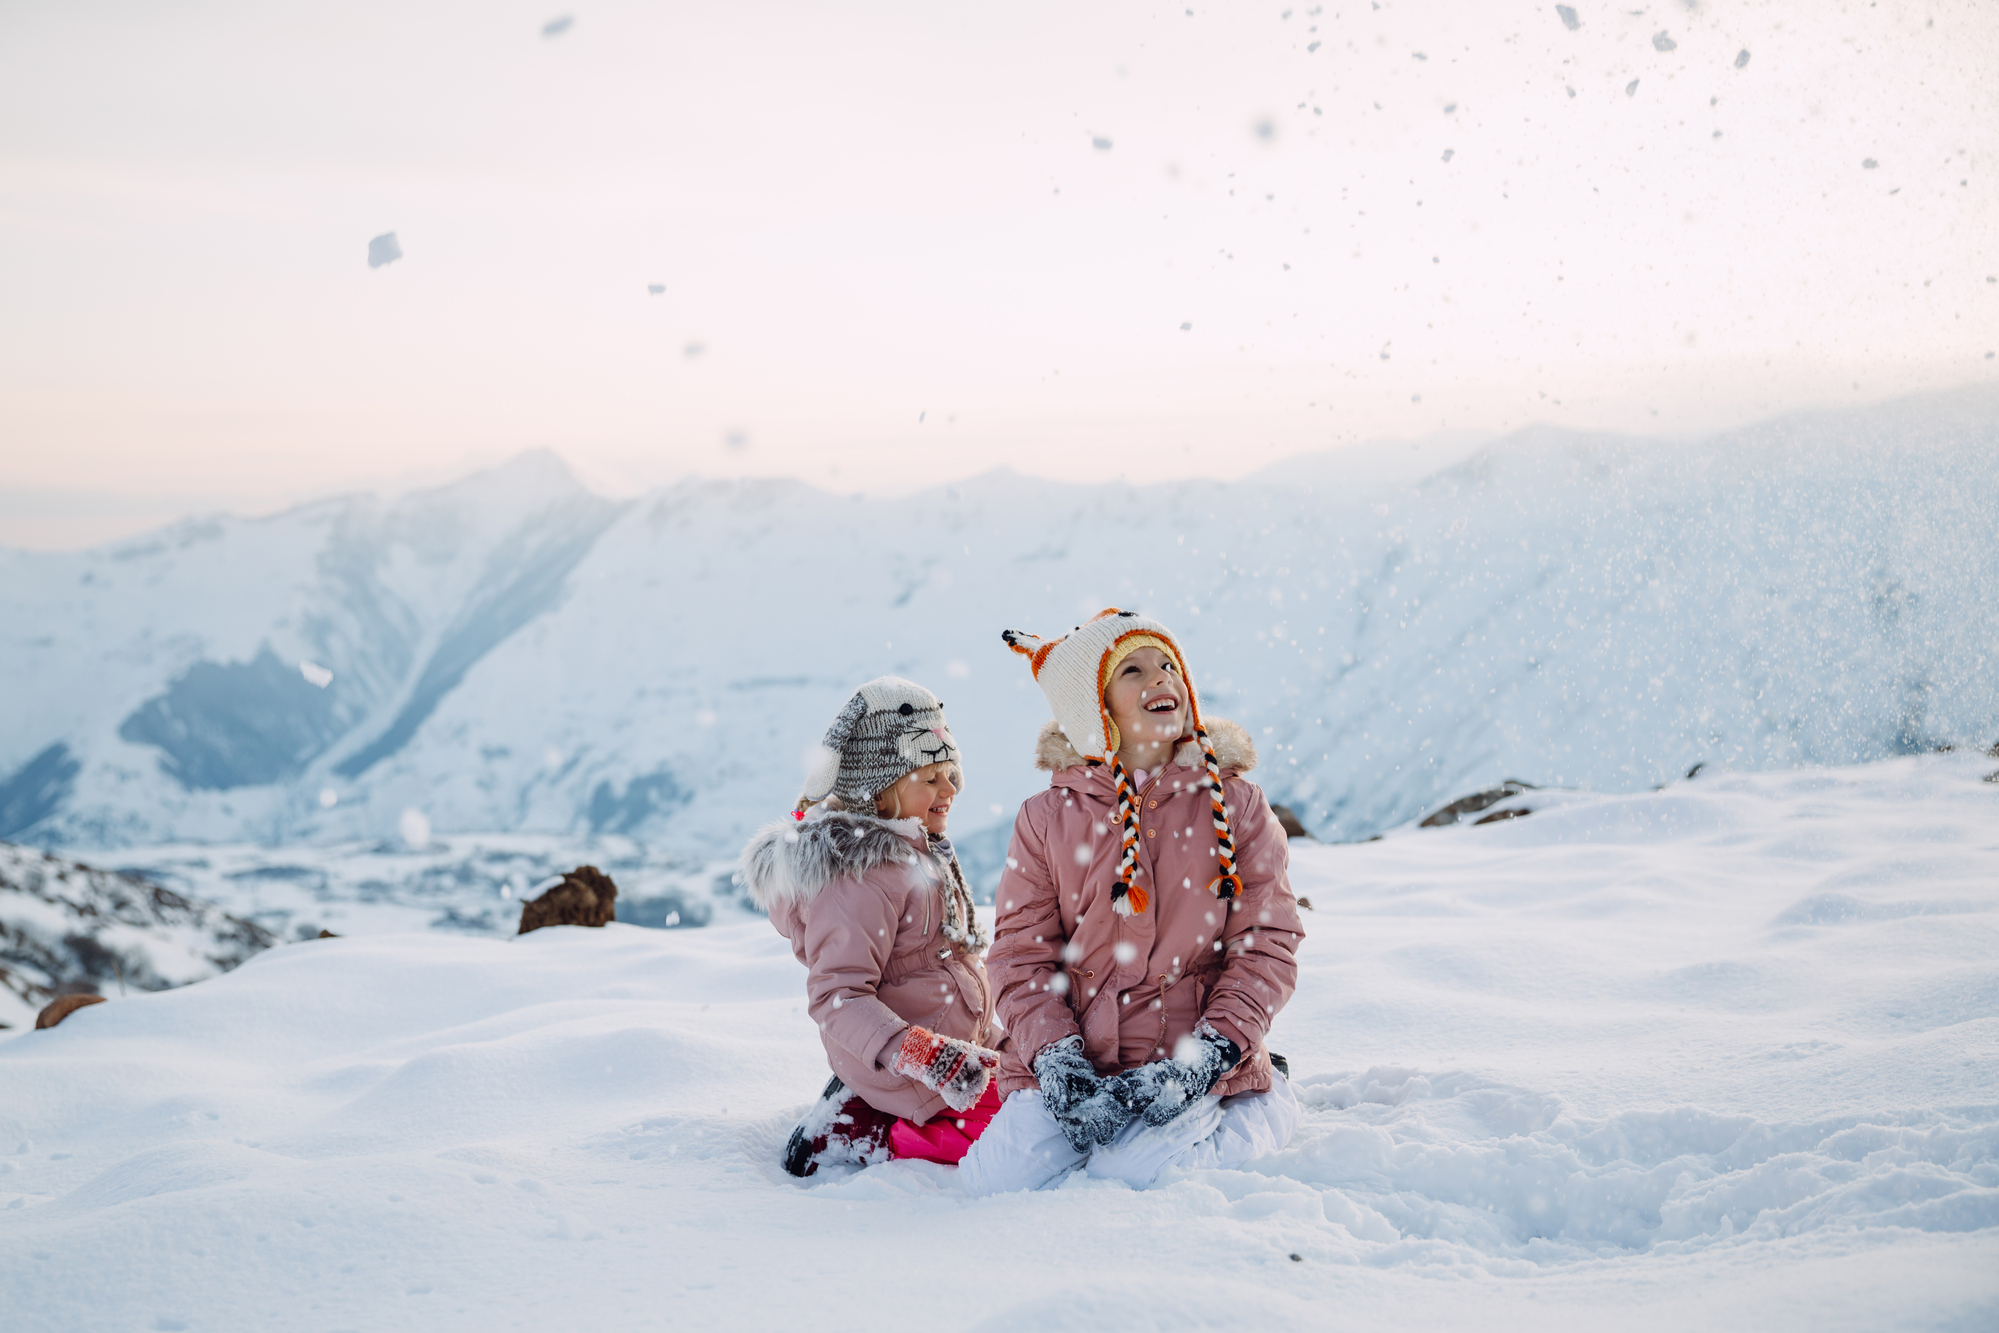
(947, 1137)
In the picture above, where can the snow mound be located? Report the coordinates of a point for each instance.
(66, 928)
(1450, 1166)
(1616, 1065)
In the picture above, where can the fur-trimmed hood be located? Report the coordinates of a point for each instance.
(793, 859)
(1234, 750)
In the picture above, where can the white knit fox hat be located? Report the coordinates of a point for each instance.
(1073, 671)
(889, 728)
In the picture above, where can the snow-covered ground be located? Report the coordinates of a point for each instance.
(1721, 1055)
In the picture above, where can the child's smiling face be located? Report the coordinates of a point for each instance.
(1148, 701)
(925, 793)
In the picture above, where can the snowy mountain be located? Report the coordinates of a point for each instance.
(66, 928)
(514, 653)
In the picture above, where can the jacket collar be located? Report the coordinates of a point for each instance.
(793, 859)
(1234, 752)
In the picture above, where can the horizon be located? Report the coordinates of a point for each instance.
(1391, 467)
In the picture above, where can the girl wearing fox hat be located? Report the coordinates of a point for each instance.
(863, 882)
(1146, 930)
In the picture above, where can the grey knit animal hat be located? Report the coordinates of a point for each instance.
(889, 729)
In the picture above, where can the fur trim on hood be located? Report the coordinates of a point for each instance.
(1233, 749)
(793, 859)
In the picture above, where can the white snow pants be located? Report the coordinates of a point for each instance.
(1023, 1149)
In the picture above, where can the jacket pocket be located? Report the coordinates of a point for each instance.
(900, 967)
(1204, 978)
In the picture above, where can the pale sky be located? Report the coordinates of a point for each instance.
(905, 243)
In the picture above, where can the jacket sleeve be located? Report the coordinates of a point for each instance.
(849, 934)
(1026, 953)
(1260, 941)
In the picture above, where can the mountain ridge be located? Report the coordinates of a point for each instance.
(514, 652)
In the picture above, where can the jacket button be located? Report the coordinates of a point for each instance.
(1154, 805)
(1152, 833)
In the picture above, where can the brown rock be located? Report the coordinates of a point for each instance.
(325, 934)
(586, 897)
(1293, 826)
(62, 1007)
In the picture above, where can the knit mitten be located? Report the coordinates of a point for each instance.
(955, 1070)
(1085, 1106)
(1163, 1089)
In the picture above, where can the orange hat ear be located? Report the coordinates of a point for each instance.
(1021, 641)
(1030, 646)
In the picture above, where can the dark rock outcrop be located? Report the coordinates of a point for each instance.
(1293, 826)
(1457, 810)
(585, 897)
(70, 929)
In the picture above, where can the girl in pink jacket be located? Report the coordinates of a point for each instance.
(1146, 931)
(865, 885)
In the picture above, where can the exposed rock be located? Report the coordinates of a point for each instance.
(1472, 804)
(1515, 812)
(325, 934)
(62, 1007)
(1293, 826)
(585, 897)
(69, 929)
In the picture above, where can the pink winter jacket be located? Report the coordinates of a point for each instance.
(1063, 962)
(861, 900)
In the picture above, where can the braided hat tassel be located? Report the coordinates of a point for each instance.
(1127, 898)
(1227, 884)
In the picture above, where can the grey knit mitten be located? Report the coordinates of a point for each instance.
(1084, 1105)
(1163, 1089)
